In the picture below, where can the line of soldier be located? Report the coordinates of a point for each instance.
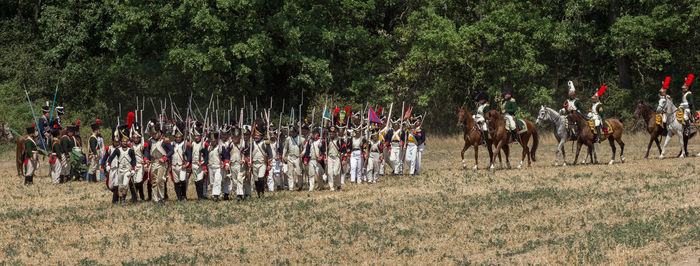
(235, 159)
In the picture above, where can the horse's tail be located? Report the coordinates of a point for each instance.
(535, 142)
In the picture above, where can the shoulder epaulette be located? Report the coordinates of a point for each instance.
(267, 142)
(668, 96)
(690, 92)
(512, 100)
(487, 104)
(166, 140)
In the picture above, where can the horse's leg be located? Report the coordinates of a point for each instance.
(652, 138)
(500, 159)
(578, 150)
(612, 146)
(622, 148)
(663, 150)
(556, 154)
(657, 139)
(594, 153)
(506, 150)
(562, 144)
(681, 137)
(476, 157)
(498, 151)
(466, 146)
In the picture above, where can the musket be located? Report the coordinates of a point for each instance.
(54, 102)
(36, 122)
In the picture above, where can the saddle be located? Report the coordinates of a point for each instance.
(660, 120)
(520, 126)
(607, 129)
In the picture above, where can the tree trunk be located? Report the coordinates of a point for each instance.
(37, 7)
(19, 9)
(623, 65)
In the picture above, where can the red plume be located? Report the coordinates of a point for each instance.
(347, 109)
(336, 111)
(33, 125)
(55, 126)
(379, 111)
(97, 120)
(74, 123)
(130, 119)
(666, 82)
(78, 122)
(689, 79)
(602, 90)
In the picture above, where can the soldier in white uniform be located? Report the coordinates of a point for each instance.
(260, 155)
(238, 163)
(373, 154)
(420, 141)
(157, 155)
(314, 156)
(357, 145)
(395, 139)
(217, 159)
(291, 156)
(140, 169)
(482, 108)
(411, 146)
(182, 156)
(344, 136)
(198, 163)
(335, 159)
(226, 179)
(688, 104)
(126, 165)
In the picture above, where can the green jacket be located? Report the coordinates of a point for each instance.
(29, 148)
(577, 104)
(66, 145)
(93, 145)
(601, 113)
(510, 106)
(691, 103)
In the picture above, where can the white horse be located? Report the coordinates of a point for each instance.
(561, 133)
(673, 126)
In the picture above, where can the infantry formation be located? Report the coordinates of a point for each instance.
(228, 160)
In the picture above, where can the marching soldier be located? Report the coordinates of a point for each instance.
(56, 155)
(357, 146)
(394, 139)
(274, 178)
(182, 156)
(344, 136)
(420, 141)
(94, 151)
(663, 96)
(291, 156)
(373, 155)
(305, 138)
(111, 170)
(217, 159)
(66, 148)
(597, 113)
(226, 182)
(381, 136)
(314, 156)
(126, 165)
(411, 146)
(335, 159)
(237, 165)
(198, 160)
(140, 175)
(158, 153)
(249, 180)
(688, 105)
(31, 151)
(260, 154)
(508, 109)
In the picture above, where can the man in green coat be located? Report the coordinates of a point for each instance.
(508, 109)
(598, 115)
(572, 103)
(687, 104)
(30, 155)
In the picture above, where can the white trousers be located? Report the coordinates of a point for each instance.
(356, 166)
(238, 174)
(56, 169)
(411, 153)
(373, 167)
(334, 165)
(179, 173)
(139, 173)
(315, 173)
(274, 175)
(293, 173)
(383, 162)
(479, 119)
(215, 176)
(122, 181)
(419, 157)
(510, 122)
(395, 157)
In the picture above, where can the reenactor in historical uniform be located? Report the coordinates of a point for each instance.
(305, 138)
(313, 157)
(217, 159)
(238, 164)
(597, 113)
(226, 182)
(31, 150)
(44, 127)
(381, 136)
(335, 159)
(249, 180)
(291, 156)
(66, 143)
(56, 155)
(260, 154)
(140, 174)
(157, 154)
(508, 109)
(111, 170)
(198, 159)
(356, 152)
(344, 136)
(419, 134)
(395, 140)
(180, 163)
(411, 145)
(663, 97)
(126, 166)
(688, 105)
(373, 155)
(60, 111)
(482, 107)
(94, 151)
(274, 177)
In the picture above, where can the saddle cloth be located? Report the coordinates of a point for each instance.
(607, 129)
(679, 116)
(660, 120)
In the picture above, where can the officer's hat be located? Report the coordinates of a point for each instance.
(45, 109)
(508, 90)
(179, 129)
(482, 96)
(225, 130)
(213, 135)
(31, 130)
(60, 110)
(76, 126)
(688, 81)
(96, 125)
(153, 126)
(273, 131)
(198, 129)
(293, 128)
(236, 131)
(136, 131)
(123, 133)
(70, 129)
(55, 132)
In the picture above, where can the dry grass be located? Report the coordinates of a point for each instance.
(642, 211)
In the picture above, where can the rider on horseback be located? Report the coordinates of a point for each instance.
(687, 104)
(482, 108)
(597, 113)
(663, 96)
(572, 103)
(508, 108)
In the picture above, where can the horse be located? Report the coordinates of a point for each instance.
(673, 127)
(500, 137)
(5, 133)
(561, 133)
(472, 137)
(586, 136)
(19, 156)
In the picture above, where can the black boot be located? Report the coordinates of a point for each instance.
(26, 180)
(139, 188)
(260, 188)
(514, 135)
(597, 136)
(215, 198)
(149, 188)
(122, 200)
(31, 180)
(181, 187)
(115, 195)
(132, 189)
(226, 197)
(199, 188)
(183, 190)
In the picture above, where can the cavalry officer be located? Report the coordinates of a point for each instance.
(688, 104)
(508, 109)
(597, 113)
(663, 96)
(482, 107)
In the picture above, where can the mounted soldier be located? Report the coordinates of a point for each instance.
(688, 105)
(572, 103)
(482, 107)
(663, 96)
(597, 114)
(508, 109)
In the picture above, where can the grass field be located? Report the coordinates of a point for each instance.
(644, 211)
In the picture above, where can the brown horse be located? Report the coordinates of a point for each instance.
(501, 138)
(586, 136)
(472, 137)
(656, 132)
(19, 156)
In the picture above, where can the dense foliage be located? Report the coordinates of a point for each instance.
(436, 55)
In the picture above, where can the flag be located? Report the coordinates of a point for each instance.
(327, 114)
(373, 116)
(408, 113)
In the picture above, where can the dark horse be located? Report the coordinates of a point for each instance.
(656, 132)
(501, 138)
(472, 137)
(586, 136)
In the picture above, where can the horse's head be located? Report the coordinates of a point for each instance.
(666, 106)
(491, 118)
(6, 132)
(640, 108)
(461, 116)
(542, 116)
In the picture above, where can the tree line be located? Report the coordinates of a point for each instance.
(434, 55)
